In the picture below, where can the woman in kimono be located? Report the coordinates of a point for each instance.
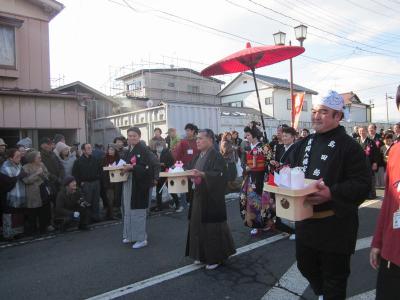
(136, 189)
(256, 207)
(209, 238)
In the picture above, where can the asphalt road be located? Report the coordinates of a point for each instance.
(80, 265)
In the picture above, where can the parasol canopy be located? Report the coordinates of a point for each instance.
(252, 58)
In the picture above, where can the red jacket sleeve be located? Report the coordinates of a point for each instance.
(383, 215)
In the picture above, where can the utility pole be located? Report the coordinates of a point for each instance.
(387, 107)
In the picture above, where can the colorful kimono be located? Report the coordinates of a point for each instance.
(256, 206)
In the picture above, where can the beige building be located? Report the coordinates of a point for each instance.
(149, 87)
(28, 107)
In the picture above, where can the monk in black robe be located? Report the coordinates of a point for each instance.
(209, 238)
(325, 242)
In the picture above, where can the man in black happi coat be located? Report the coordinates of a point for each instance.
(325, 242)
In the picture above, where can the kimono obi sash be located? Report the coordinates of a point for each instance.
(255, 160)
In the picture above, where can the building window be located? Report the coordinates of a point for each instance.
(244, 81)
(304, 108)
(136, 85)
(236, 104)
(7, 47)
(193, 89)
(289, 104)
(268, 101)
(171, 84)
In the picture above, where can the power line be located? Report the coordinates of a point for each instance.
(329, 18)
(349, 67)
(378, 86)
(368, 9)
(329, 73)
(310, 33)
(320, 29)
(314, 16)
(259, 43)
(190, 21)
(345, 20)
(385, 6)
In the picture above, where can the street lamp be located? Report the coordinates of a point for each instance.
(279, 39)
(301, 33)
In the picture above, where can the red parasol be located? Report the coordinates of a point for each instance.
(252, 58)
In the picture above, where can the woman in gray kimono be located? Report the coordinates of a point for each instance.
(209, 238)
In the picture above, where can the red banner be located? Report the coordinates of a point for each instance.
(298, 106)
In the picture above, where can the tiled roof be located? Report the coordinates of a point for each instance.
(138, 72)
(350, 98)
(282, 83)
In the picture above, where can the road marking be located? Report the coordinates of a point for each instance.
(369, 202)
(292, 283)
(370, 295)
(128, 289)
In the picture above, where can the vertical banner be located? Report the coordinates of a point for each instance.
(298, 106)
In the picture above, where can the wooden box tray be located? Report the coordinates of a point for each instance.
(177, 182)
(290, 204)
(116, 174)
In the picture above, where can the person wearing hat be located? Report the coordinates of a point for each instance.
(52, 163)
(67, 159)
(337, 163)
(70, 208)
(3, 147)
(385, 247)
(38, 207)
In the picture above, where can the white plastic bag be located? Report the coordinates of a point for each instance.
(239, 168)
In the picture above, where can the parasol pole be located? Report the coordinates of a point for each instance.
(259, 104)
(293, 114)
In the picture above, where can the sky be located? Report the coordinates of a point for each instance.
(351, 45)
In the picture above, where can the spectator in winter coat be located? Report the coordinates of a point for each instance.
(111, 188)
(172, 139)
(52, 163)
(3, 147)
(157, 138)
(166, 161)
(186, 150)
(87, 172)
(38, 208)
(372, 153)
(15, 197)
(66, 158)
(71, 208)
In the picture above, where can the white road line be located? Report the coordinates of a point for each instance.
(295, 282)
(369, 202)
(370, 295)
(128, 289)
(363, 243)
(292, 280)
